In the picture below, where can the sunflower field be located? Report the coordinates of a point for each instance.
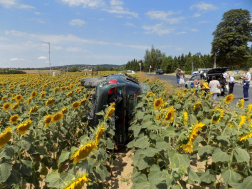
(45, 141)
(186, 140)
(182, 140)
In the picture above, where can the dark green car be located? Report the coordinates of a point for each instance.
(121, 89)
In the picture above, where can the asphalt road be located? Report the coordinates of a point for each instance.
(238, 88)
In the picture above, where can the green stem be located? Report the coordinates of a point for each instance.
(231, 158)
(208, 140)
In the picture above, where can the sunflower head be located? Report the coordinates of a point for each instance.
(76, 105)
(6, 106)
(56, 89)
(99, 134)
(217, 114)
(64, 110)
(242, 120)
(83, 100)
(49, 101)
(70, 94)
(5, 136)
(4, 98)
(248, 109)
(33, 94)
(33, 109)
(14, 118)
(229, 99)
(23, 127)
(47, 120)
(240, 103)
(19, 98)
(15, 106)
(57, 117)
(29, 100)
(158, 103)
(196, 106)
(169, 116)
(185, 117)
(42, 94)
(149, 94)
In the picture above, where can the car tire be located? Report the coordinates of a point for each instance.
(186, 86)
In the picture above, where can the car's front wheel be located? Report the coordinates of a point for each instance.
(186, 86)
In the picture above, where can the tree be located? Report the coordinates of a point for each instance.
(153, 58)
(231, 37)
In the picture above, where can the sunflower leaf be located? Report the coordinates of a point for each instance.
(63, 156)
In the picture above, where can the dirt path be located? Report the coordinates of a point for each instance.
(122, 170)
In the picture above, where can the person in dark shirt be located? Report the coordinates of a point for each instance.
(202, 76)
(222, 81)
(178, 77)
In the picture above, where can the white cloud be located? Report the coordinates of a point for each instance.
(3, 39)
(238, 4)
(183, 32)
(38, 20)
(16, 59)
(179, 49)
(77, 22)
(41, 57)
(129, 24)
(74, 49)
(37, 13)
(116, 2)
(203, 7)
(203, 22)
(161, 15)
(14, 4)
(158, 29)
(197, 14)
(132, 46)
(85, 3)
(194, 30)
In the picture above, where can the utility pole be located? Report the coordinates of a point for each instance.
(192, 67)
(214, 61)
(48, 43)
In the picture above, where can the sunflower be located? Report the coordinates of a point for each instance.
(14, 118)
(83, 101)
(179, 92)
(49, 101)
(182, 96)
(185, 91)
(203, 92)
(15, 106)
(149, 94)
(229, 99)
(29, 100)
(84, 151)
(78, 183)
(188, 148)
(5, 137)
(249, 116)
(240, 103)
(6, 105)
(70, 94)
(57, 117)
(33, 94)
(242, 120)
(185, 117)
(42, 94)
(147, 80)
(56, 89)
(111, 110)
(248, 109)
(217, 114)
(99, 134)
(245, 137)
(76, 105)
(45, 86)
(23, 127)
(63, 88)
(196, 106)
(158, 103)
(4, 98)
(47, 120)
(33, 109)
(210, 95)
(170, 115)
(19, 98)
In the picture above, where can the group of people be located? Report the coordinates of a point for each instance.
(218, 86)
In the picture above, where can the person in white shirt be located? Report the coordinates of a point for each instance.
(225, 75)
(246, 81)
(214, 85)
(231, 82)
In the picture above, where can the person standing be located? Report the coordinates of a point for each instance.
(214, 85)
(222, 81)
(178, 77)
(231, 83)
(182, 79)
(246, 82)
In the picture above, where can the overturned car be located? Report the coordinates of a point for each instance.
(121, 89)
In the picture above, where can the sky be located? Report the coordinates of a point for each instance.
(105, 31)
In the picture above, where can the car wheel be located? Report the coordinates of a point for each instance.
(186, 86)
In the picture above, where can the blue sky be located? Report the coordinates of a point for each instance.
(105, 31)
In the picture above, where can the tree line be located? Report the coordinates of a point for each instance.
(229, 46)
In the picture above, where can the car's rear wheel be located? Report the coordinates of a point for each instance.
(186, 86)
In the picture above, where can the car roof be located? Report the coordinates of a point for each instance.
(217, 70)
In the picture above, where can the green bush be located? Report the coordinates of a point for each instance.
(12, 72)
(188, 72)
